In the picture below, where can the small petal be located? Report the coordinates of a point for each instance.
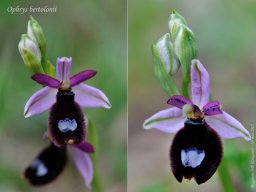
(85, 147)
(212, 108)
(63, 67)
(82, 76)
(178, 101)
(90, 97)
(169, 120)
(227, 126)
(40, 101)
(200, 84)
(46, 80)
(84, 165)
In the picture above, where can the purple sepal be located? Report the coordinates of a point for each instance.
(82, 76)
(46, 80)
(85, 147)
(63, 68)
(84, 165)
(40, 101)
(178, 101)
(200, 84)
(212, 108)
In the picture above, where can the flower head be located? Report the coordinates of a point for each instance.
(65, 96)
(196, 150)
(48, 165)
(171, 120)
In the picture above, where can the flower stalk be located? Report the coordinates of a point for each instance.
(93, 139)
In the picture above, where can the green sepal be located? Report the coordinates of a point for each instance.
(165, 50)
(165, 79)
(31, 62)
(175, 20)
(186, 50)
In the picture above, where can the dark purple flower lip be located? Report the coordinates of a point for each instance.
(196, 151)
(66, 120)
(50, 163)
(47, 166)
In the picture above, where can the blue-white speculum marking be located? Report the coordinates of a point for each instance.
(67, 125)
(192, 157)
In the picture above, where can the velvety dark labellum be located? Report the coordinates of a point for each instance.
(66, 120)
(47, 166)
(196, 151)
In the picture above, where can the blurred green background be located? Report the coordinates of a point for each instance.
(225, 35)
(94, 34)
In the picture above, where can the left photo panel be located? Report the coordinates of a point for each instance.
(63, 104)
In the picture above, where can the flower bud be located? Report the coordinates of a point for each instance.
(162, 74)
(175, 20)
(35, 32)
(185, 48)
(166, 52)
(30, 54)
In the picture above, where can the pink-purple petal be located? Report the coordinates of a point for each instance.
(63, 67)
(212, 108)
(82, 76)
(227, 126)
(200, 84)
(178, 101)
(46, 80)
(40, 101)
(90, 97)
(168, 120)
(84, 165)
(85, 147)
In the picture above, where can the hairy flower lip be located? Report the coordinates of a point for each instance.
(223, 123)
(51, 161)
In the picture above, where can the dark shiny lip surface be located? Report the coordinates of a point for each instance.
(200, 136)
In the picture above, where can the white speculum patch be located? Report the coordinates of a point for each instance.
(67, 125)
(41, 169)
(192, 157)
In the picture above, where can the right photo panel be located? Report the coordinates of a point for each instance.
(191, 91)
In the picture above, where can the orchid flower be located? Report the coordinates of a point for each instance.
(171, 120)
(65, 96)
(49, 164)
(196, 150)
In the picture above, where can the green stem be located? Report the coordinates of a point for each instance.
(93, 139)
(225, 177)
(185, 86)
(43, 60)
